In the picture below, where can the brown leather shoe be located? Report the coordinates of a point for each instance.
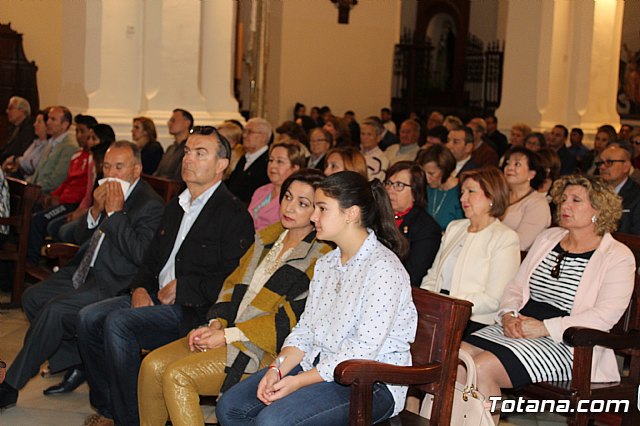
(103, 421)
(91, 419)
(97, 420)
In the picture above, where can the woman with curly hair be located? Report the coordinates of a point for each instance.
(574, 275)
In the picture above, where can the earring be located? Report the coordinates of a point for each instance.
(594, 219)
(491, 204)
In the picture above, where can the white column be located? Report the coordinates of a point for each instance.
(147, 57)
(217, 68)
(112, 66)
(561, 63)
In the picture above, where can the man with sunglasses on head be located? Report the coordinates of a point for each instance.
(202, 236)
(614, 166)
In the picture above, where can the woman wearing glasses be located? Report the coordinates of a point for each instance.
(478, 255)
(574, 275)
(405, 184)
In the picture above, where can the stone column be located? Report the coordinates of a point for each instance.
(561, 64)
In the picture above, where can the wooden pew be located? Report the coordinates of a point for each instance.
(441, 322)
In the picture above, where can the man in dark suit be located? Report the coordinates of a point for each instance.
(251, 171)
(460, 143)
(121, 226)
(558, 142)
(202, 236)
(388, 139)
(20, 132)
(498, 138)
(614, 166)
(484, 153)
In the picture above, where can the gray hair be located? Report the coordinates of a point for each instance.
(135, 150)
(262, 123)
(22, 104)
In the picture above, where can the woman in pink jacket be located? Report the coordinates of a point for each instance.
(574, 275)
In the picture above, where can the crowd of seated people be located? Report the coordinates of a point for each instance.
(229, 285)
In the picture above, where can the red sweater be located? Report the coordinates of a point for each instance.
(74, 187)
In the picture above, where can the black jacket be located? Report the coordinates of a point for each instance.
(630, 221)
(424, 236)
(220, 235)
(243, 183)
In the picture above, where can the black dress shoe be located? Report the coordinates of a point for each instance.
(73, 378)
(8, 396)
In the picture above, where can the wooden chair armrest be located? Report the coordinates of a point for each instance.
(60, 250)
(583, 336)
(11, 220)
(368, 372)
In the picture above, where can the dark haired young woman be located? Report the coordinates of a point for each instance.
(359, 306)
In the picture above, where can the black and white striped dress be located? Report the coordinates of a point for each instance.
(540, 359)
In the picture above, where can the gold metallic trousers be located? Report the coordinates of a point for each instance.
(172, 378)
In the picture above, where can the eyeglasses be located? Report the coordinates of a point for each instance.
(248, 132)
(317, 140)
(608, 163)
(397, 186)
(555, 271)
(208, 130)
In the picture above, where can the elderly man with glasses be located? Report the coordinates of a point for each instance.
(20, 132)
(251, 171)
(202, 235)
(614, 166)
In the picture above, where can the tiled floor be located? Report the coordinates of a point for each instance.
(33, 408)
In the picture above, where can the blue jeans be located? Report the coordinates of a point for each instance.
(110, 336)
(325, 403)
(38, 230)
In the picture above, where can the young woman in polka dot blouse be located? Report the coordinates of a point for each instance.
(359, 307)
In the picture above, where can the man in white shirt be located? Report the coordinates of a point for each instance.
(201, 238)
(370, 135)
(385, 116)
(460, 143)
(408, 147)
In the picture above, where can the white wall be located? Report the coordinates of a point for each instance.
(316, 61)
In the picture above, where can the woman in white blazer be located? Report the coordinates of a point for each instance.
(478, 255)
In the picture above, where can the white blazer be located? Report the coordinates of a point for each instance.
(484, 267)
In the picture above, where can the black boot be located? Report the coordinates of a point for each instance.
(8, 396)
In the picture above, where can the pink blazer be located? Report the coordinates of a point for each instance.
(602, 296)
